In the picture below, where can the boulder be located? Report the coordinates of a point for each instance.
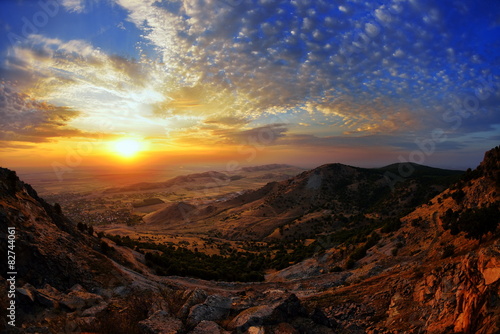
(214, 308)
(253, 316)
(48, 297)
(280, 308)
(256, 330)
(207, 327)
(79, 299)
(283, 328)
(193, 298)
(160, 323)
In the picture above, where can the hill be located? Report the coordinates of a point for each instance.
(310, 203)
(434, 269)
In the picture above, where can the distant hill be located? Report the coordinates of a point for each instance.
(212, 179)
(265, 167)
(328, 193)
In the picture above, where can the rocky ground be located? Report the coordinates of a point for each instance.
(417, 279)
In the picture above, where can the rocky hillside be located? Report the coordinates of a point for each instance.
(425, 276)
(312, 202)
(436, 271)
(69, 280)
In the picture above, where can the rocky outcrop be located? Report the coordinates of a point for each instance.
(462, 296)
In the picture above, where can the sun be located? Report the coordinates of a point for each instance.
(127, 148)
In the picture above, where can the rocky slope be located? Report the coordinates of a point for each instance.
(70, 281)
(421, 278)
(415, 278)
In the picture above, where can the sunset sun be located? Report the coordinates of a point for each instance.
(127, 148)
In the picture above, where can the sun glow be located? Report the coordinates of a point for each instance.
(127, 148)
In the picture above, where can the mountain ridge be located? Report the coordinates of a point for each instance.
(336, 187)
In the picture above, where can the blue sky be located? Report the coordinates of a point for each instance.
(301, 81)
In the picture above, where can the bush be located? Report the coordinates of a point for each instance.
(391, 225)
(448, 251)
(105, 248)
(350, 263)
(475, 222)
(336, 269)
(458, 196)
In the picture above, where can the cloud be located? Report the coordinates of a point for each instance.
(78, 75)
(359, 69)
(77, 6)
(228, 121)
(28, 120)
(274, 56)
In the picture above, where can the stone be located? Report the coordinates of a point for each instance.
(160, 323)
(214, 308)
(195, 297)
(283, 328)
(207, 327)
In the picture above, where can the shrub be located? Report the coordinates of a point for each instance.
(391, 225)
(336, 269)
(448, 251)
(475, 222)
(350, 263)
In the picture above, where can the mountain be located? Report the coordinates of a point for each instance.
(323, 196)
(437, 270)
(182, 180)
(212, 179)
(429, 274)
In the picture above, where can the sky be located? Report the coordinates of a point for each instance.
(248, 82)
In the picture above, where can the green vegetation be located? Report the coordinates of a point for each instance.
(179, 261)
(391, 225)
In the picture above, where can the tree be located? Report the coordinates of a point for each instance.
(475, 222)
(58, 209)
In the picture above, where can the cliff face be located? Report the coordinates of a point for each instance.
(461, 296)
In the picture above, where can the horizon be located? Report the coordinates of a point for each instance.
(128, 85)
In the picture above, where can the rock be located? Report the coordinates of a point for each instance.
(319, 317)
(214, 308)
(48, 297)
(207, 327)
(489, 265)
(257, 315)
(79, 299)
(160, 323)
(26, 293)
(280, 309)
(255, 330)
(308, 326)
(94, 310)
(195, 297)
(283, 328)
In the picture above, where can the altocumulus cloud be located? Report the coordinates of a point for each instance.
(275, 56)
(364, 69)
